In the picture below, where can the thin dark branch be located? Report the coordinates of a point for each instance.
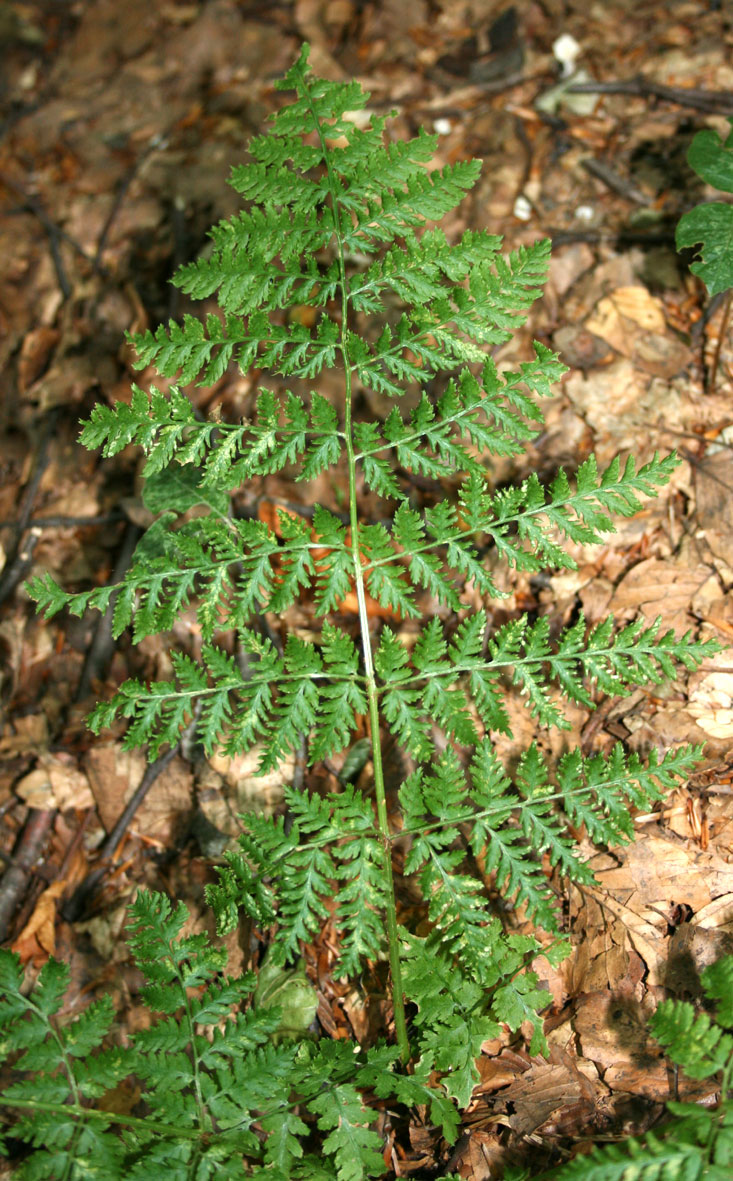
(712, 374)
(21, 554)
(27, 852)
(66, 522)
(711, 307)
(612, 180)
(157, 142)
(101, 648)
(109, 220)
(42, 457)
(18, 566)
(712, 101)
(623, 236)
(54, 232)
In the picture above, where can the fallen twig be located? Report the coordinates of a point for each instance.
(612, 180)
(65, 522)
(157, 143)
(713, 101)
(21, 553)
(102, 646)
(54, 232)
(711, 374)
(28, 850)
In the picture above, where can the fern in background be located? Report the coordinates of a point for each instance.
(339, 220)
(698, 1143)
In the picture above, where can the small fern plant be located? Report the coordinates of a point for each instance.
(336, 264)
(221, 1098)
(698, 1143)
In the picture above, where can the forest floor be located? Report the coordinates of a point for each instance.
(120, 122)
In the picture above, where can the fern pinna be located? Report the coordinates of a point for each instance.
(338, 220)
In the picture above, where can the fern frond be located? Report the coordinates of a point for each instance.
(456, 327)
(204, 1092)
(193, 349)
(596, 791)
(518, 521)
(231, 568)
(279, 699)
(244, 878)
(203, 350)
(510, 824)
(416, 271)
(392, 192)
(654, 1160)
(166, 427)
(377, 1073)
(491, 416)
(360, 896)
(355, 1147)
(455, 1008)
(695, 1043)
(253, 266)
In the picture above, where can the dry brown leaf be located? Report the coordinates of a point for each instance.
(37, 940)
(612, 1028)
(600, 956)
(34, 354)
(28, 734)
(622, 311)
(56, 783)
(567, 264)
(115, 774)
(656, 874)
(248, 791)
(632, 322)
(661, 588)
(714, 501)
(479, 1157)
(540, 1092)
(694, 946)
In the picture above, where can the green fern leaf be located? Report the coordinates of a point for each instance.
(695, 1043)
(717, 981)
(401, 701)
(378, 1074)
(655, 1160)
(355, 1147)
(361, 900)
(424, 569)
(449, 1012)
